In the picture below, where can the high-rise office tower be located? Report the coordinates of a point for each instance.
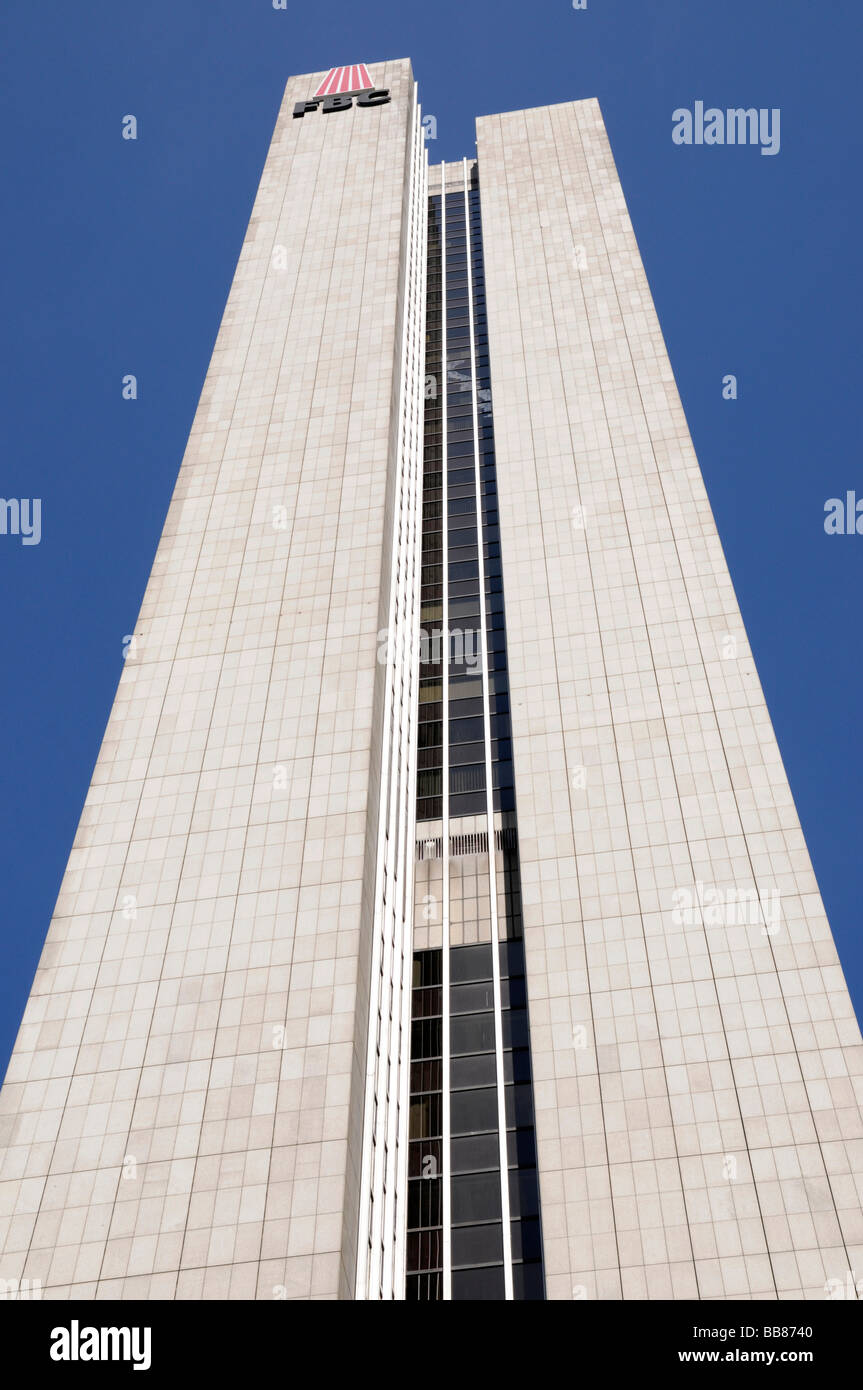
(439, 923)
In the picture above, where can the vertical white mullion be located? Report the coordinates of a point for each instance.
(382, 928)
(401, 923)
(492, 875)
(421, 173)
(445, 1010)
(399, 920)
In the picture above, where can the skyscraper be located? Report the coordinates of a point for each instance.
(439, 923)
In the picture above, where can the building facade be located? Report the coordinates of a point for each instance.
(439, 924)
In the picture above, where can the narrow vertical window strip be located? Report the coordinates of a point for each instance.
(445, 897)
(495, 936)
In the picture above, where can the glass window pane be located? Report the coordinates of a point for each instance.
(425, 1116)
(425, 1202)
(519, 1106)
(514, 1028)
(521, 1147)
(512, 957)
(523, 1193)
(466, 999)
(527, 1283)
(475, 1198)
(472, 1033)
(471, 1112)
(478, 1285)
(475, 1154)
(526, 1242)
(477, 1245)
(426, 1003)
(513, 994)
(472, 1071)
(469, 963)
(426, 1036)
(424, 1288)
(424, 1158)
(428, 968)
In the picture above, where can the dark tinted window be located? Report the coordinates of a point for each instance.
(471, 1033)
(425, 1202)
(425, 1116)
(521, 1147)
(468, 999)
(477, 1245)
(527, 1282)
(476, 1198)
(426, 1038)
(424, 1158)
(472, 1071)
(478, 1285)
(471, 1112)
(523, 1193)
(526, 1242)
(516, 1065)
(469, 963)
(427, 968)
(514, 1028)
(474, 1154)
(519, 1107)
(513, 994)
(424, 1287)
(512, 957)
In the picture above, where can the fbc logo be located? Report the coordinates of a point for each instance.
(340, 86)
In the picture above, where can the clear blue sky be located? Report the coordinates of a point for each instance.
(118, 258)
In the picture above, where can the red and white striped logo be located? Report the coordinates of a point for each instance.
(354, 78)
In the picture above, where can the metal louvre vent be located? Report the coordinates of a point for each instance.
(475, 843)
(430, 849)
(469, 844)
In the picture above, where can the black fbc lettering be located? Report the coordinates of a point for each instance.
(341, 101)
(376, 96)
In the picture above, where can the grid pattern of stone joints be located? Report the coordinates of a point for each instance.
(696, 1065)
(183, 1112)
